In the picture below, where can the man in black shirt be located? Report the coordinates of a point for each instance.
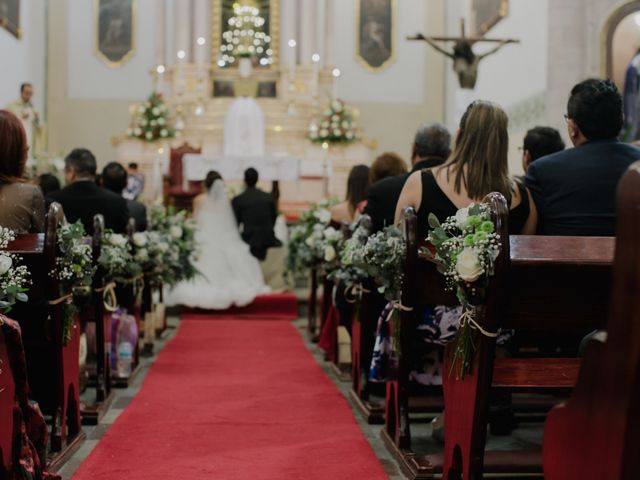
(431, 147)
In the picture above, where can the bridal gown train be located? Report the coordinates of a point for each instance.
(230, 275)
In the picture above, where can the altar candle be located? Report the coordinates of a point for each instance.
(160, 79)
(336, 75)
(292, 60)
(315, 58)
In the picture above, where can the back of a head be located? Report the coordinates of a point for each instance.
(357, 185)
(251, 177)
(48, 183)
(13, 148)
(83, 162)
(388, 164)
(480, 155)
(211, 177)
(114, 177)
(432, 140)
(596, 107)
(543, 141)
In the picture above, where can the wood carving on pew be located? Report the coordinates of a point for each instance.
(601, 419)
(571, 277)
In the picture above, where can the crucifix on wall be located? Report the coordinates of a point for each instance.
(465, 60)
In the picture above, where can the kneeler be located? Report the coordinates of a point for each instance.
(29, 428)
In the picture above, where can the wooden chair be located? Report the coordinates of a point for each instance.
(363, 333)
(53, 366)
(174, 189)
(7, 395)
(596, 433)
(570, 275)
(98, 314)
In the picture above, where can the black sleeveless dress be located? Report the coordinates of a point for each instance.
(435, 201)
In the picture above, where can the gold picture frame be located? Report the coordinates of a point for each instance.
(115, 31)
(487, 13)
(375, 50)
(274, 31)
(10, 17)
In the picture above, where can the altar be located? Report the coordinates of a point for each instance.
(237, 53)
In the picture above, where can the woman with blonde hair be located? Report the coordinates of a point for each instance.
(477, 166)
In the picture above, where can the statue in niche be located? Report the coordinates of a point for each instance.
(465, 60)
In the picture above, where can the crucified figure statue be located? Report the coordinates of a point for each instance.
(465, 61)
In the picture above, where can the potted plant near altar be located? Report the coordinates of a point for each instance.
(151, 121)
(337, 125)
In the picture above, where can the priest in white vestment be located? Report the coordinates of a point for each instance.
(26, 112)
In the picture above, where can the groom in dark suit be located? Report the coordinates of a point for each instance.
(82, 198)
(256, 215)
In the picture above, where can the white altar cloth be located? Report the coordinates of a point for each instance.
(283, 168)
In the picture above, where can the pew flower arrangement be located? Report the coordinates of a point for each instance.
(116, 259)
(13, 278)
(466, 248)
(74, 269)
(308, 244)
(353, 267)
(384, 255)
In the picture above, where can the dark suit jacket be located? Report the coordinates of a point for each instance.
(138, 211)
(256, 214)
(84, 199)
(384, 194)
(575, 190)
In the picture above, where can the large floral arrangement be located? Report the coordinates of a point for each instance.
(336, 125)
(307, 241)
(466, 247)
(172, 245)
(151, 121)
(13, 278)
(116, 259)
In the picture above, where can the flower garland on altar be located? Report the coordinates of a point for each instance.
(13, 279)
(151, 121)
(337, 125)
(466, 248)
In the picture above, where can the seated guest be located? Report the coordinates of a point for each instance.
(540, 142)
(477, 166)
(431, 147)
(21, 203)
(83, 199)
(114, 179)
(388, 164)
(48, 183)
(575, 190)
(353, 205)
(135, 182)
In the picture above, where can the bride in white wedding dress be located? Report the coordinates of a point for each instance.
(230, 275)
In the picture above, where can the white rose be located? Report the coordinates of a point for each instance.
(335, 118)
(142, 255)
(5, 264)
(117, 240)
(163, 246)
(153, 123)
(161, 121)
(324, 133)
(337, 132)
(468, 265)
(323, 215)
(309, 241)
(336, 106)
(349, 135)
(331, 233)
(139, 239)
(329, 254)
(462, 217)
(155, 111)
(149, 135)
(176, 231)
(164, 132)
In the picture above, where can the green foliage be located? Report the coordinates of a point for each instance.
(336, 125)
(14, 278)
(151, 121)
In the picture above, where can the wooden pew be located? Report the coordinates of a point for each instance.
(98, 314)
(53, 367)
(596, 433)
(7, 393)
(312, 305)
(542, 284)
(363, 335)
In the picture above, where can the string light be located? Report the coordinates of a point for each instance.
(182, 54)
(201, 41)
(160, 69)
(315, 58)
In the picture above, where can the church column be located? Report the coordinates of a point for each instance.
(307, 30)
(288, 28)
(321, 14)
(161, 36)
(182, 27)
(200, 45)
(328, 34)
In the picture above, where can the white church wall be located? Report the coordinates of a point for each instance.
(23, 59)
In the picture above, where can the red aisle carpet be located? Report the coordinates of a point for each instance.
(274, 306)
(234, 399)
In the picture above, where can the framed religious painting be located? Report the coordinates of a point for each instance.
(115, 31)
(375, 33)
(10, 16)
(487, 13)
